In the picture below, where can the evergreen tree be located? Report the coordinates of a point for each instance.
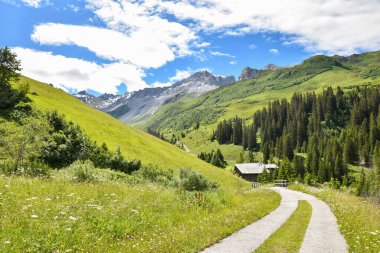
(251, 157)
(266, 152)
(240, 158)
(299, 166)
(10, 66)
(288, 150)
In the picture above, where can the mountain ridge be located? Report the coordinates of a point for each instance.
(139, 105)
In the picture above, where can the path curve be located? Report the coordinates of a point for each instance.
(322, 234)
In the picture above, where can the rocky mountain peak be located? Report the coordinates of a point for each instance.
(249, 73)
(271, 67)
(107, 96)
(83, 92)
(205, 77)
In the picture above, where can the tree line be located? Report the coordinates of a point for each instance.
(235, 131)
(334, 129)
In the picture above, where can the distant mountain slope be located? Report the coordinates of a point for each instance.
(250, 73)
(100, 102)
(244, 97)
(134, 144)
(140, 105)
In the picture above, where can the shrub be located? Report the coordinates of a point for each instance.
(334, 183)
(33, 168)
(193, 181)
(83, 171)
(37, 169)
(153, 173)
(188, 180)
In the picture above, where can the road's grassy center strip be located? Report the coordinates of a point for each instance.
(289, 237)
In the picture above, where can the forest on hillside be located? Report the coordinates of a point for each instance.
(334, 129)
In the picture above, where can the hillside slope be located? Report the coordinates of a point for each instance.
(134, 144)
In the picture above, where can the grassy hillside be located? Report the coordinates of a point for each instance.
(245, 97)
(134, 144)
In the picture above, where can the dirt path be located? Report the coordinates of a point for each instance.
(322, 234)
(186, 148)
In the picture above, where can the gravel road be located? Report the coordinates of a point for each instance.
(322, 234)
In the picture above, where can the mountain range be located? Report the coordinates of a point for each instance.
(139, 105)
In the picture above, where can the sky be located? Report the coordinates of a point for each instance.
(118, 46)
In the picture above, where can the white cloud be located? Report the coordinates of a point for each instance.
(233, 62)
(201, 44)
(73, 7)
(79, 74)
(180, 75)
(140, 21)
(216, 53)
(134, 34)
(108, 44)
(274, 51)
(159, 84)
(32, 3)
(252, 46)
(339, 26)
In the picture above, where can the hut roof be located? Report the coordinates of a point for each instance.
(254, 168)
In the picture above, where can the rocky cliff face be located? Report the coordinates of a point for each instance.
(139, 105)
(249, 73)
(271, 67)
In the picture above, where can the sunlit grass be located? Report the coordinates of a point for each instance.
(57, 215)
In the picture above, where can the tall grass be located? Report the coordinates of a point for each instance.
(58, 215)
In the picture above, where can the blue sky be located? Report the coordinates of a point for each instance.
(126, 45)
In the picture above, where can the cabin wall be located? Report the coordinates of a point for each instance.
(250, 177)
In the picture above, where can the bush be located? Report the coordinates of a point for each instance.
(188, 180)
(34, 168)
(37, 169)
(334, 183)
(83, 171)
(153, 173)
(193, 181)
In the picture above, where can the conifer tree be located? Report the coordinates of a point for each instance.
(240, 158)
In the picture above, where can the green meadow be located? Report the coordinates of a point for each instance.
(112, 212)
